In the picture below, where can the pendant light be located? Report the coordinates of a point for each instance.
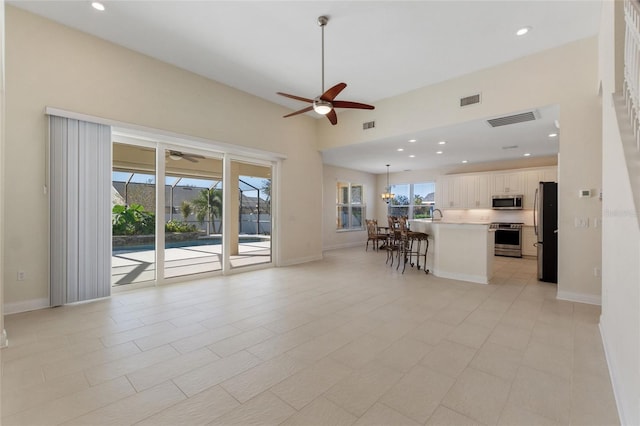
(387, 195)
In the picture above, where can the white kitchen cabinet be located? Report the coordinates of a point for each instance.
(529, 241)
(550, 174)
(451, 192)
(508, 183)
(532, 179)
(476, 191)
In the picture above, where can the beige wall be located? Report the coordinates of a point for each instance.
(332, 175)
(51, 65)
(566, 76)
(2, 176)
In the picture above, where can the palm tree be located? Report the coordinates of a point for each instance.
(208, 206)
(186, 209)
(266, 189)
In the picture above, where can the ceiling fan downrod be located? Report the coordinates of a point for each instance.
(322, 21)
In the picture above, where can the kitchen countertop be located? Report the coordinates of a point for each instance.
(449, 222)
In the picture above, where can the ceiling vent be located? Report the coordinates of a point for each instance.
(368, 125)
(470, 100)
(513, 119)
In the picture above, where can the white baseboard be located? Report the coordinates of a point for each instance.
(26, 305)
(612, 374)
(590, 299)
(478, 279)
(300, 260)
(344, 245)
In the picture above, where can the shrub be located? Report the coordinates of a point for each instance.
(132, 220)
(177, 226)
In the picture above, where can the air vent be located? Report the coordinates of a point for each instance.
(470, 100)
(368, 125)
(512, 119)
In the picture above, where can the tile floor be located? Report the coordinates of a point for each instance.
(346, 340)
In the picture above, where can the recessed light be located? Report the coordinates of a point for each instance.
(526, 154)
(98, 6)
(412, 140)
(522, 31)
(553, 135)
(400, 149)
(442, 142)
(412, 156)
(438, 152)
(464, 161)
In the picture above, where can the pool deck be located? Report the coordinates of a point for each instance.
(139, 266)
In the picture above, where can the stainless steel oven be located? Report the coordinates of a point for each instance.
(508, 239)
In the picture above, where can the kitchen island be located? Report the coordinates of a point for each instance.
(458, 250)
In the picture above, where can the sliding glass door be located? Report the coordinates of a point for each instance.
(193, 213)
(250, 221)
(133, 215)
(181, 230)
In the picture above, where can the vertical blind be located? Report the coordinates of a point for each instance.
(80, 209)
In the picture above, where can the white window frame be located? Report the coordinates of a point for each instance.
(349, 205)
(411, 205)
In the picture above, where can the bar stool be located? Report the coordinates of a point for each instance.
(410, 244)
(393, 238)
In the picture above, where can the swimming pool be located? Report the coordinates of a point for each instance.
(178, 244)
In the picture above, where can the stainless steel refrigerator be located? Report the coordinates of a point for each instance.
(545, 222)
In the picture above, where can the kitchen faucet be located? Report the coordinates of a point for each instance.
(433, 214)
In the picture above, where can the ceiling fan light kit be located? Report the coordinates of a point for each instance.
(322, 107)
(325, 104)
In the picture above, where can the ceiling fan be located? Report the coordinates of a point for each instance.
(177, 155)
(325, 104)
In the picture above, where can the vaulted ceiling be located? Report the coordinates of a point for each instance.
(380, 49)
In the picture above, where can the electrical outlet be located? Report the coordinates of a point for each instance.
(21, 275)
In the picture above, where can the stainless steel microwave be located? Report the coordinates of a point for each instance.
(506, 202)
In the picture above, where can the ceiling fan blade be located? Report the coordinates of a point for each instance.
(297, 98)
(332, 92)
(349, 104)
(201, 157)
(190, 158)
(303, 110)
(333, 118)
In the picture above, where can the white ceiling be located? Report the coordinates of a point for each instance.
(473, 141)
(379, 48)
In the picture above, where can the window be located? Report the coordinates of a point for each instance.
(415, 200)
(350, 206)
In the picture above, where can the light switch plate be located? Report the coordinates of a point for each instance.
(581, 222)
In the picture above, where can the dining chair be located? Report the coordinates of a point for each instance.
(373, 234)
